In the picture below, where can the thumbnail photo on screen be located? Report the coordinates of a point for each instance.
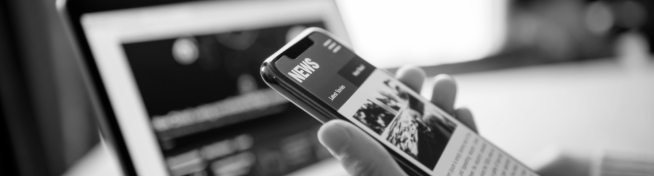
(405, 121)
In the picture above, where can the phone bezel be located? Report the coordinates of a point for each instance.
(309, 103)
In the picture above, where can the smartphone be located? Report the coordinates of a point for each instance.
(325, 78)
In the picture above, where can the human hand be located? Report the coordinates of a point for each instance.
(361, 155)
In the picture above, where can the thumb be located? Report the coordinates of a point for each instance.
(359, 153)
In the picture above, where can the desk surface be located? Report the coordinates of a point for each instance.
(577, 106)
(599, 105)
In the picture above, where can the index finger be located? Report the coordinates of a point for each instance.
(411, 76)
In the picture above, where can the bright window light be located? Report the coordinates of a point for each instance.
(391, 33)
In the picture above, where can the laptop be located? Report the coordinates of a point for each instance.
(176, 88)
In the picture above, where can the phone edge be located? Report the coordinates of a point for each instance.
(310, 106)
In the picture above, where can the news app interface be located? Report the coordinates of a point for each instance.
(388, 110)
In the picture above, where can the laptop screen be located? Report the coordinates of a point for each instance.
(184, 83)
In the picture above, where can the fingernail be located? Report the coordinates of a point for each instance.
(336, 137)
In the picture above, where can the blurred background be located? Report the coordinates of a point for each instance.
(570, 81)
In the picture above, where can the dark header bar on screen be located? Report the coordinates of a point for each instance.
(303, 70)
(356, 70)
(327, 69)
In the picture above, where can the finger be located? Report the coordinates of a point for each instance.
(444, 93)
(411, 76)
(464, 115)
(359, 153)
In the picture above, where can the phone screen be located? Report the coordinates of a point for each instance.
(386, 109)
